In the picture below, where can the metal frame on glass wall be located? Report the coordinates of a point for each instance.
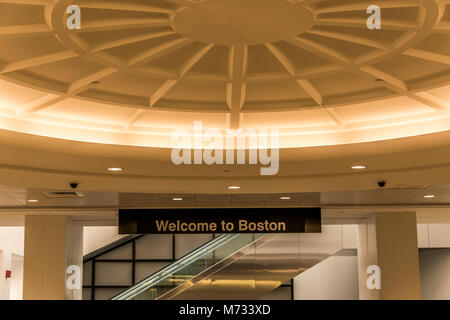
(95, 257)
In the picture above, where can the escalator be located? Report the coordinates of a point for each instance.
(235, 266)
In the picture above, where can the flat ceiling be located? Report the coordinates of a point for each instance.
(17, 198)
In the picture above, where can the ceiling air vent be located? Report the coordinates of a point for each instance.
(404, 187)
(62, 194)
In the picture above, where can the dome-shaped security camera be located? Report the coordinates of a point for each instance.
(381, 183)
(73, 185)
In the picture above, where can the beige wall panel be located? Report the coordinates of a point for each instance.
(398, 255)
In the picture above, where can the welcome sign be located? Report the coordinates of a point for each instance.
(223, 220)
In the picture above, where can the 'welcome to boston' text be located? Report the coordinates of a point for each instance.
(242, 225)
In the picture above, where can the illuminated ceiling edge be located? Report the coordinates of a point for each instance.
(289, 138)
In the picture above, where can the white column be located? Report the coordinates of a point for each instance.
(74, 257)
(367, 255)
(51, 244)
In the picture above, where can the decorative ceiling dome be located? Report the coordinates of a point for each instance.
(138, 69)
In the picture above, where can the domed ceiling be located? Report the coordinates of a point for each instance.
(138, 69)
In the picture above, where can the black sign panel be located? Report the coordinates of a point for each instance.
(223, 220)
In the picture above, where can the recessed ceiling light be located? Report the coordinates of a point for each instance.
(115, 169)
(429, 196)
(234, 187)
(358, 167)
(33, 201)
(285, 198)
(177, 199)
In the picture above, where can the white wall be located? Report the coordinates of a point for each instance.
(433, 235)
(334, 278)
(12, 239)
(11, 245)
(11, 242)
(97, 237)
(2, 283)
(16, 285)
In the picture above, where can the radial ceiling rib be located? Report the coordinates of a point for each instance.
(364, 5)
(169, 84)
(120, 24)
(33, 62)
(388, 24)
(387, 78)
(74, 89)
(184, 3)
(236, 95)
(30, 2)
(237, 89)
(133, 39)
(38, 105)
(194, 59)
(310, 90)
(281, 57)
(159, 51)
(24, 30)
(158, 72)
(321, 50)
(442, 27)
(427, 55)
(124, 6)
(86, 82)
(318, 70)
(290, 67)
(350, 38)
(333, 115)
(334, 56)
(431, 101)
(307, 3)
(133, 119)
